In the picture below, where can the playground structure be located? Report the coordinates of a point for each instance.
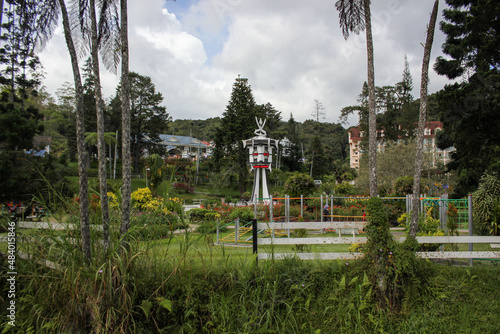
(443, 205)
(292, 210)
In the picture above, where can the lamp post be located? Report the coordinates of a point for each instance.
(147, 171)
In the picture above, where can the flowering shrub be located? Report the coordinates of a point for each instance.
(114, 203)
(143, 200)
(141, 196)
(427, 226)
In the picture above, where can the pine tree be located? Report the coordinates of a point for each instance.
(238, 123)
(318, 112)
(292, 156)
(470, 109)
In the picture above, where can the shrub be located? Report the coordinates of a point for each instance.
(299, 184)
(404, 185)
(198, 215)
(484, 204)
(244, 213)
(344, 188)
(427, 226)
(393, 268)
(207, 227)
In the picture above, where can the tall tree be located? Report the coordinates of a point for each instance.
(318, 112)
(101, 145)
(355, 16)
(99, 36)
(319, 162)
(148, 118)
(80, 134)
(469, 108)
(125, 99)
(238, 123)
(419, 155)
(292, 155)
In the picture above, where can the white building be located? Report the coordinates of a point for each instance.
(438, 156)
(185, 147)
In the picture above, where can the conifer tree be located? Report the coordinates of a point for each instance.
(238, 123)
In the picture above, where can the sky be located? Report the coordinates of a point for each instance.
(291, 51)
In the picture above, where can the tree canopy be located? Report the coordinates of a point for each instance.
(238, 123)
(470, 111)
(149, 118)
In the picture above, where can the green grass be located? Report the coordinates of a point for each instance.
(186, 284)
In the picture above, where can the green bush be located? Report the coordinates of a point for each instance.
(404, 185)
(299, 184)
(209, 227)
(344, 188)
(198, 215)
(484, 203)
(244, 213)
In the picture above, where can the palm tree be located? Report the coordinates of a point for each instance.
(125, 92)
(91, 139)
(354, 17)
(419, 156)
(46, 21)
(80, 132)
(103, 38)
(101, 145)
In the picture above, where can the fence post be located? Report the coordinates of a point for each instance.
(471, 248)
(302, 205)
(271, 210)
(236, 229)
(254, 239)
(218, 222)
(321, 209)
(421, 199)
(288, 213)
(331, 207)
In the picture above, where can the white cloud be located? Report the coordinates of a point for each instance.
(292, 52)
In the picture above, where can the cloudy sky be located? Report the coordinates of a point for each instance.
(291, 51)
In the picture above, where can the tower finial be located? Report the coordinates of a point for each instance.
(260, 131)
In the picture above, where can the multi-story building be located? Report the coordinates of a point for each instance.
(437, 156)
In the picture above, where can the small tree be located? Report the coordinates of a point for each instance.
(299, 184)
(157, 172)
(485, 200)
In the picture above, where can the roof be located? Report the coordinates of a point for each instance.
(355, 133)
(174, 140)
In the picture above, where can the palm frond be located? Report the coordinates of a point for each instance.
(47, 16)
(109, 34)
(351, 16)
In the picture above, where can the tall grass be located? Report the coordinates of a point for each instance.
(185, 284)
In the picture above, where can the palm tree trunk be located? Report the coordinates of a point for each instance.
(419, 156)
(1, 15)
(372, 113)
(125, 87)
(80, 137)
(101, 145)
(116, 155)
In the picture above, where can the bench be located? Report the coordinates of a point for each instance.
(353, 231)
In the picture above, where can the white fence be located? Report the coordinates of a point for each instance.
(361, 240)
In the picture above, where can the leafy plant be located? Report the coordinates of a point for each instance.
(484, 204)
(299, 184)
